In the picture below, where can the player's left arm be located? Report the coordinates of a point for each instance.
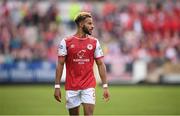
(102, 72)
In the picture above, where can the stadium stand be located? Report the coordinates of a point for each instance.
(148, 31)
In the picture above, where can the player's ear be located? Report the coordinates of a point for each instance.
(81, 24)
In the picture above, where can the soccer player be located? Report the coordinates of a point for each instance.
(78, 53)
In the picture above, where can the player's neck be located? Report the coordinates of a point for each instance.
(80, 34)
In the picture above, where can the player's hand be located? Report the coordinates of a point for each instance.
(57, 94)
(106, 94)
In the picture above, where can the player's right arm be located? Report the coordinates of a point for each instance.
(62, 52)
(59, 71)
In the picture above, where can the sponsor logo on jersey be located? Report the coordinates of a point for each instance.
(81, 53)
(81, 59)
(89, 46)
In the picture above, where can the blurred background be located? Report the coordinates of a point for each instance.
(140, 40)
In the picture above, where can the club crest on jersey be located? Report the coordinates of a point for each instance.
(89, 47)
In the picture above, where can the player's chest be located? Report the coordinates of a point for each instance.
(80, 47)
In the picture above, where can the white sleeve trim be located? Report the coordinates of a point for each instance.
(62, 51)
(98, 51)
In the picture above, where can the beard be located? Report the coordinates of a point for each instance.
(85, 30)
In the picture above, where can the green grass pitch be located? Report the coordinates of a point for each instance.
(125, 100)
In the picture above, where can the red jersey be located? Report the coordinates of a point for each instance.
(80, 54)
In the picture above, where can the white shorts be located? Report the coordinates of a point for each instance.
(75, 98)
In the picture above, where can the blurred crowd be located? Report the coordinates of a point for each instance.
(128, 30)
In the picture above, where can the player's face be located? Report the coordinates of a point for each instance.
(88, 26)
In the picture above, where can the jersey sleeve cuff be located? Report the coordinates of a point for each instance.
(61, 56)
(99, 57)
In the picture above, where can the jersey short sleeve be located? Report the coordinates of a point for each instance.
(62, 51)
(98, 51)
